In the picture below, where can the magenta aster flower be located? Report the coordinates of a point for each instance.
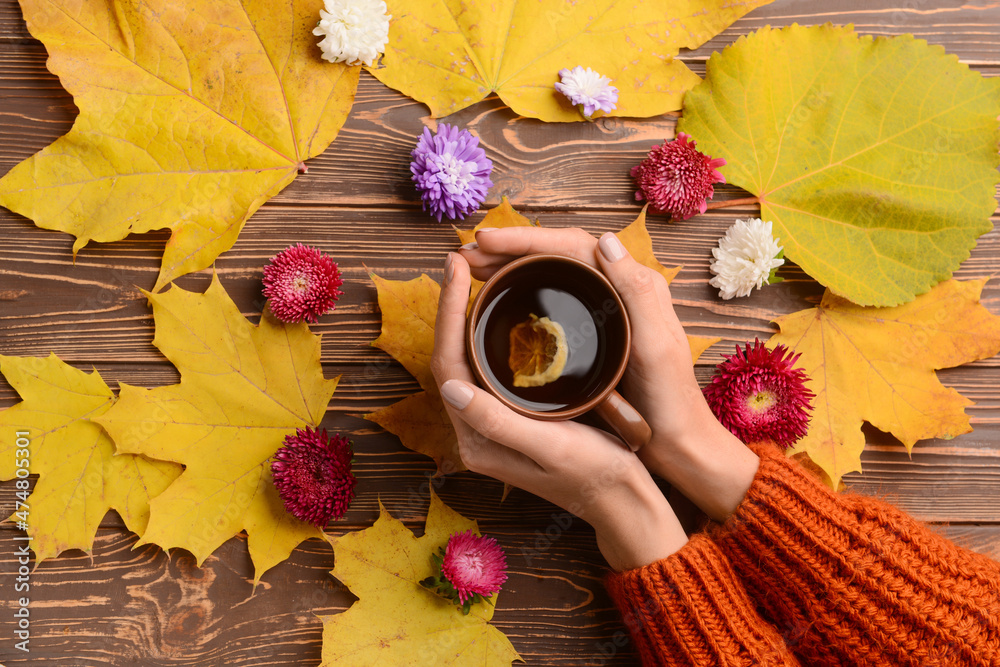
(759, 395)
(468, 569)
(677, 179)
(302, 284)
(588, 90)
(312, 473)
(451, 171)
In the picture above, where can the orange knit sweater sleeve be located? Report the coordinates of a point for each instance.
(691, 609)
(852, 580)
(837, 579)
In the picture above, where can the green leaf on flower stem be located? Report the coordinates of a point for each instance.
(876, 159)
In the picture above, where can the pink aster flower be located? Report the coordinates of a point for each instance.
(677, 179)
(588, 90)
(312, 473)
(302, 284)
(451, 172)
(468, 569)
(759, 395)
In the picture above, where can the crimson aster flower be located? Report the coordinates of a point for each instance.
(312, 473)
(588, 90)
(677, 179)
(471, 567)
(759, 395)
(302, 284)
(451, 171)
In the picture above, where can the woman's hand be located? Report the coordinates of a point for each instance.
(689, 447)
(582, 469)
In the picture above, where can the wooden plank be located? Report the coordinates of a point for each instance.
(964, 30)
(98, 312)
(538, 166)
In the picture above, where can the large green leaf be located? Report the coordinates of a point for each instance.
(875, 158)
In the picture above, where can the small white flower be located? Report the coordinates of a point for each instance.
(745, 258)
(588, 90)
(354, 31)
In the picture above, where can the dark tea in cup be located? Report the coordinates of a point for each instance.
(549, 336)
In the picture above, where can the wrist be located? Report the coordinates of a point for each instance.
(707, 463)
(641, 531)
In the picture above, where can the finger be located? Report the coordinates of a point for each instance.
(645, 293)
(547, 443)
(490, 458)
(449, 358)
(499, 438)
(518, 241)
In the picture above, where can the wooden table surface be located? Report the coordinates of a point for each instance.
(121, 606)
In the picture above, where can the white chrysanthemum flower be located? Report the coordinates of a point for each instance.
(587, 89)
(354, 31)
(745, 258)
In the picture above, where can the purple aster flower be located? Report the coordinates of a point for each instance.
(312, 473)
(587, 89)
(451, 171)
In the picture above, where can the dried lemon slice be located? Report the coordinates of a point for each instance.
(538, 352)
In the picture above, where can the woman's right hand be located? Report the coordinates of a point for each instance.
(689, 447)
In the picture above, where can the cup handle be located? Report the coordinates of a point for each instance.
(625, 420)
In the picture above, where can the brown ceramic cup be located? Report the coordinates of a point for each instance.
(583, 301)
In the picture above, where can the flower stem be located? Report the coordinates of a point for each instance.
(725, 203)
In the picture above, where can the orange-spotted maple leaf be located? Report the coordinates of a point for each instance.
(877, 365)
(409, 310)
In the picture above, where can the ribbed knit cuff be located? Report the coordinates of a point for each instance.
(690, 609)
(852, 580)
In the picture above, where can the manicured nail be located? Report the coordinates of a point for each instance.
(457, 393)
(486, 229)
(470, 246)
(449, 267)
(611, 247)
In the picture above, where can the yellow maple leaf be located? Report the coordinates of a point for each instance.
(877, 365)
(396, 621)
(80, 477)
(409, 311)
(192, 115)
(243, 388)
(450, 57)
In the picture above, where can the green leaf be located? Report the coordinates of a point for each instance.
(874, 158)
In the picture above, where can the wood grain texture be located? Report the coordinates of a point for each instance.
(143, 607)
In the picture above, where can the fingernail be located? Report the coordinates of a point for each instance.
(611, 247)
(457, 393)
(449, 267)
(470, 246)
(486, 229)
